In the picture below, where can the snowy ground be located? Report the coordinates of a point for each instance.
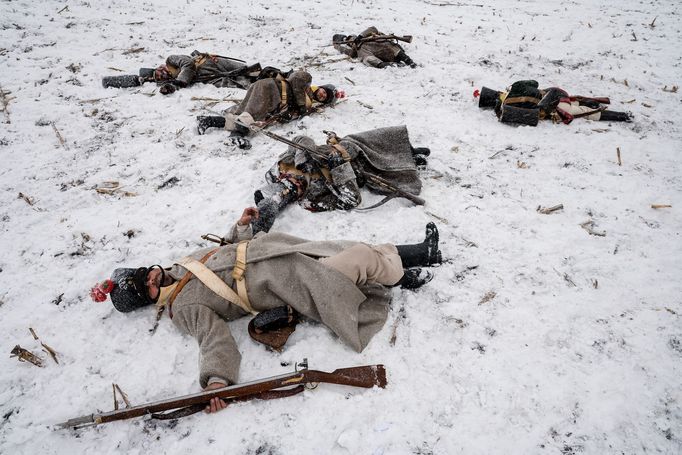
(535, 337)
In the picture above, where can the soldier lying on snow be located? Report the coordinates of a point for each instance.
(525, 104)
(280, 99)
(331, 179)
(345, 285)
(373, 48)
(184, 70)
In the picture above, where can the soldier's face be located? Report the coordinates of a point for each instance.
(161, 74)
(153, 282)
(321, 95)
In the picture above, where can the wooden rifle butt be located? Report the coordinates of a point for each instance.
(365, 376)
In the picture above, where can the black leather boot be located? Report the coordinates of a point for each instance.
(205, 122)
(414, 278)
(419, 155)
(519, 115)
(422, 254)
(613, 116)
(404, 58)
(421, 151)
(420, 160)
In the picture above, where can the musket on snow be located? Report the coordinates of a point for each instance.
(384, 184)
(376, 39)
(134, 80)
(284, 385)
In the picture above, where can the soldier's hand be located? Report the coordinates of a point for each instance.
(249, 214)
(216, 404)
(167, 89)
(334, 160)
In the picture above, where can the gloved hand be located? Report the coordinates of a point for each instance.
(334, 160)
(167, 89)
(239, 142)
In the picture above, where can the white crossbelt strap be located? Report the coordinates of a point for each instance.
(238, 273)
(215, 284)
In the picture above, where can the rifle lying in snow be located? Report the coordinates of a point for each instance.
(147, 75)
(380, 182)
(376, 39)
(284, 385)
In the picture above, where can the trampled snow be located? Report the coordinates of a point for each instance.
(535, 337)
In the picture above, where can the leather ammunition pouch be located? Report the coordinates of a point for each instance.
(273, 327)
(520, 115)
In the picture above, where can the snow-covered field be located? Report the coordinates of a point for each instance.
(535, 337)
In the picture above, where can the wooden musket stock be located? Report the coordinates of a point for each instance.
(273, 387)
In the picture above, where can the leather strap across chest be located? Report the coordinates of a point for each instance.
(214, 282)
(521, 99)
(185, 279)
(284, 101)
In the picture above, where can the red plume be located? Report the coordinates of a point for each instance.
(340, 94)
(99, 292)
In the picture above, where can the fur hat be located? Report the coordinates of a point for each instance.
(330, 90)
(130, 290)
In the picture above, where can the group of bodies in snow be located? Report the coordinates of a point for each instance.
(280, 278)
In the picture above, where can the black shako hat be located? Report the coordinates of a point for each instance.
(331, 93)
(130, 289)
(147, 73)
(338, 38)
(488, 98)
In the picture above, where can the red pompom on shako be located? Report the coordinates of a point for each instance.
(477, 93)
(99, 292)
(339, 94)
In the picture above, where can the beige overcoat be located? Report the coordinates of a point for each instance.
(281, 270)
(265, 98)
(372, 53)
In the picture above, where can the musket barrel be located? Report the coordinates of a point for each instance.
(78, 422)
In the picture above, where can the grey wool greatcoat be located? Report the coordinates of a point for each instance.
(385, 152)
(371, 54)
(281, 270)
(264, 97)
(209, 69)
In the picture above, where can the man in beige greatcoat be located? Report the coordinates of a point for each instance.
(378, 54)
(281, 99)
(343, 284)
